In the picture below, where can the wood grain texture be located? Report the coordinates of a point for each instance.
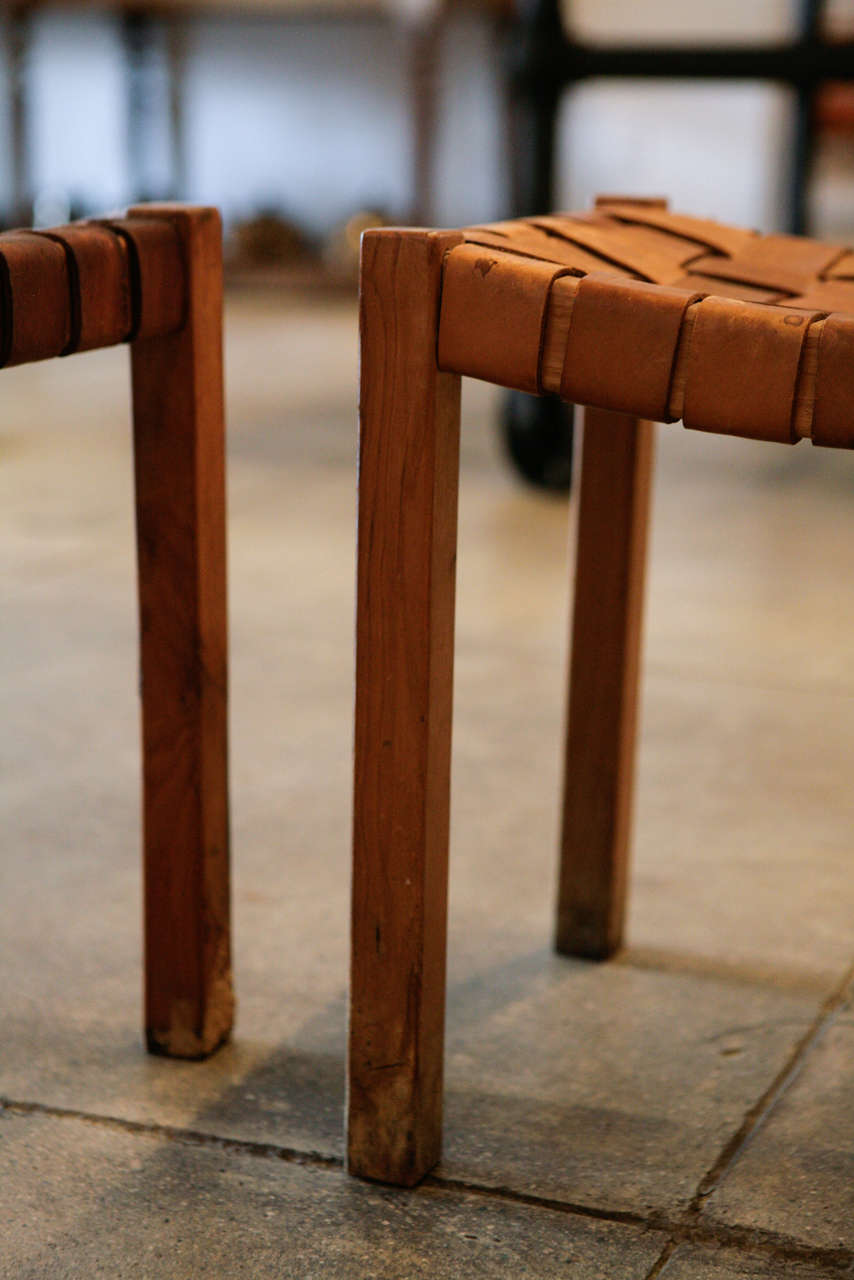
(408, 482)
(606, 635)
(180, 507)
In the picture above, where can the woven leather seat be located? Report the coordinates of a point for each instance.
(643, 311)
(641, 315)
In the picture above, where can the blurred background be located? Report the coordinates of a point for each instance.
(303, 118)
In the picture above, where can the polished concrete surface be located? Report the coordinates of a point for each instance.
(686, 1110)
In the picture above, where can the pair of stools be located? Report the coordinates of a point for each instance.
(642, 315)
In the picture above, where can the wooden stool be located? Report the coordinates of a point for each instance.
(644, 316)
(154, 279)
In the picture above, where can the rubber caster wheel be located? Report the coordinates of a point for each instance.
(538, 436)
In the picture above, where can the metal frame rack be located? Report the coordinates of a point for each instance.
(545, 59)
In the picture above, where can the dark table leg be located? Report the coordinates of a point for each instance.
(537, 432)
(146, 36)
(19, 210)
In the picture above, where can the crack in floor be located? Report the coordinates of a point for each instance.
(175, 1133)
(690, 1227)
(692, 1218)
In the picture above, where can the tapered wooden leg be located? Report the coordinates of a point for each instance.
(180, 511)
(408, 480)
(609, 586)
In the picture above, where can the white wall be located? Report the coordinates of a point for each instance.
(698, 20)
(714, 150)
(717, 150)
(314, 118)
(76, 140)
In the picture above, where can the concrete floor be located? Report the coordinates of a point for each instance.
(684, 1111)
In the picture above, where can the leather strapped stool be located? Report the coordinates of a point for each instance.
(643, 315)
(154, 279)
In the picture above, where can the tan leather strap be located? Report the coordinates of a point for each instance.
(89, 285)
(833, 421)
(603, 308)
(493, 315)
(34, 297)
(99, 288)
(622, 345)
(743, 370)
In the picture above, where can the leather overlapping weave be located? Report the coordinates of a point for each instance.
(88, 285)
(660, 315)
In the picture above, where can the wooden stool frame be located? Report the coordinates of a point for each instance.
(154, 279)
(435, 306)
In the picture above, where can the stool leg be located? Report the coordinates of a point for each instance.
(609, 585)
(408, 480)
(180, 512)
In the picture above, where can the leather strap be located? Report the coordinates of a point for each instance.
(493, 315)
(99, 287)
(34, 298)
(622, 345)
(833, 420)
(743, 368)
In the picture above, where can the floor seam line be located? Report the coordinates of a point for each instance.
(681, 1228)
(176, 1133)
(662, 1260)
(622, 1217)
(752, 1121)
(759, 1112)
(686, 1228)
